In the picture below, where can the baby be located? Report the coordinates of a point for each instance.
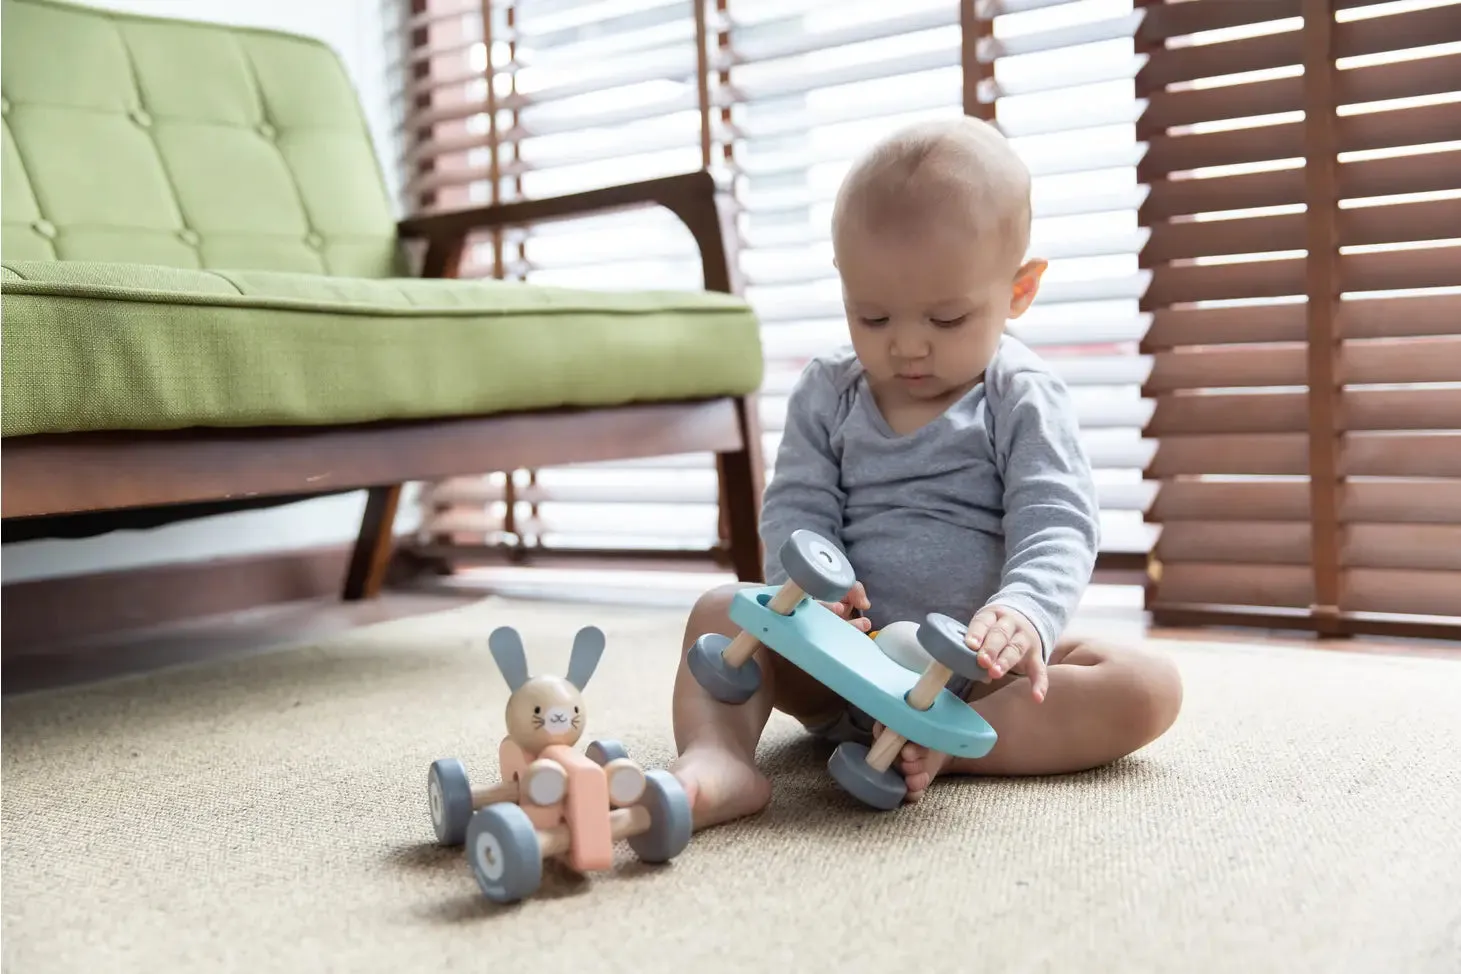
(943, 456)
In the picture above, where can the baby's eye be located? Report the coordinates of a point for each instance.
(874, 322)
(950, 322)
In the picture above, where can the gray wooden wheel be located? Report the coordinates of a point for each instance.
(449, 796)
(817, 566)
(943, 637)
(883, 790)
(726, 683)
(503, 851)
(604, 750)
(670, 823)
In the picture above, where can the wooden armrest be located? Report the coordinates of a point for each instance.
(690, 196)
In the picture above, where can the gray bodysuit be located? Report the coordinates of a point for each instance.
(994, 501)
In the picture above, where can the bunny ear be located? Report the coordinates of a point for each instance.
(507, 650)
(588, 646)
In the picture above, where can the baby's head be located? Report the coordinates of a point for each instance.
(929, 231)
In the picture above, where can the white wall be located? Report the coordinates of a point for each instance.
(356, 29)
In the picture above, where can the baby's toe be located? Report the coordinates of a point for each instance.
(917, 784)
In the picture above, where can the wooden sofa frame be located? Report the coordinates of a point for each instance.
(62, 474)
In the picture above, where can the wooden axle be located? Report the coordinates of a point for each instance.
(624, 823)
(744, 646)
(880, 756)
(484, 795)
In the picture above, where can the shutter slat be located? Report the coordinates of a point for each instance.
(1174, 327)
(1176, 284)
(768, 45)
(1181, 197)
(1261, 143)
(873, 69)
(1211, 238)
(1238, 542)
(1180, 19)
(1401, 455)
(1272, 454)
(1422, 408)
(1284, 412)
(1401, 269)
(1077, 35)
(1422, 502)
(1429, 547)
(1259, 412)
(1289, 586)
(1400, 317)
(1228, 501)
(1398, 32)
(1369, 83)
(1401, 222)
(1062, 77)
(1176, 65)
(1377, 362)
(1427, 172)
(1426, 593)
(1401, 502)
(1260, 365)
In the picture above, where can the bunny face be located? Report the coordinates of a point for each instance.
(546, 710)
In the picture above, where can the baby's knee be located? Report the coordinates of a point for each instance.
(712, 613)
(1157, 694)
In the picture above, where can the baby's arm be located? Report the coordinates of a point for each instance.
(1052, 519)
(805, 490)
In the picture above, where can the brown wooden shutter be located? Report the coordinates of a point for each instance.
(1303, 208)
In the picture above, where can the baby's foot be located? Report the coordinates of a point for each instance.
(720, 784)
(918, 766)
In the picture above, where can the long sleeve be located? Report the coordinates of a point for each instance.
(805, 490)
(1052, 520)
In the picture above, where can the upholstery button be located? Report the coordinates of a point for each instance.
(45, 228)
(314, 240)
(140, 118)
(189, 236)
(267, 131)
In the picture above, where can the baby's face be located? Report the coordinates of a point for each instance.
(926, 310)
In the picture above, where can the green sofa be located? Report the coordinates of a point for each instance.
(208, 303)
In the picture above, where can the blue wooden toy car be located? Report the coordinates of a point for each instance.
(791, 622)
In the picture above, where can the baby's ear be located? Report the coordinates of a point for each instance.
(1026, 285)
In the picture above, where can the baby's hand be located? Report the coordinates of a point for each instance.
(856, 598)
(1008, 643)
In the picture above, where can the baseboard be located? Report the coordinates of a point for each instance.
(52, 613)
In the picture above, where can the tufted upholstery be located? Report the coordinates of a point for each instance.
(165, 142)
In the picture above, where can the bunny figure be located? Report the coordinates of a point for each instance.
(545, 709)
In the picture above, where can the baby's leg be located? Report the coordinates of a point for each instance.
(1104, 702)
(717, 741)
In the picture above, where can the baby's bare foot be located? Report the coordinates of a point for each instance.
(720, 784)
(918, 766)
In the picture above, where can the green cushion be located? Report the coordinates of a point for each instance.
(96, 346)
(156, 141)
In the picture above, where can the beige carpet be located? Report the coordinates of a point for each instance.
(268, 815)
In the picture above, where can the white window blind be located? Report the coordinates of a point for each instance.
(594, 93)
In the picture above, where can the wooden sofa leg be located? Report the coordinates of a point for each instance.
(372, 555)
(741, 477)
